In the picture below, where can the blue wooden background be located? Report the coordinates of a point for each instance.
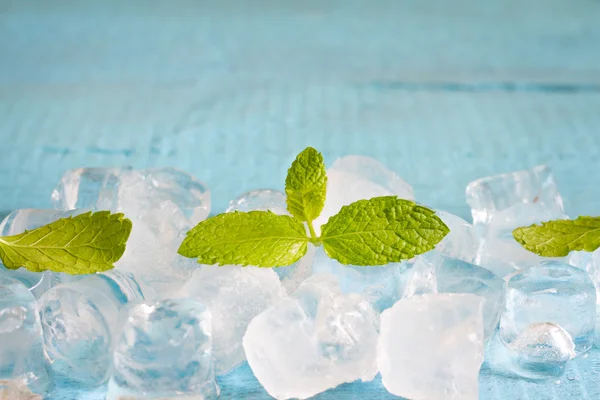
(442, 92)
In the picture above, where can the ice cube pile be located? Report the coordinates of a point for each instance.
(162, 326)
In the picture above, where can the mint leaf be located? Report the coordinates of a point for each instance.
(558, 238)
(305, 185)
(258, 238)
(380, 231)
(85, 244)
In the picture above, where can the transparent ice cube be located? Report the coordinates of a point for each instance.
(431, 347)
(28, 219)
(590, 262)
(493, 194)
(132, 191)
(542, 350)
(461, 242)
(499, 251)
(88, 188)
(436, 273)
(275, 201)
(314, 340)
(22, 361)
(551, 292)
(380, 285)
(353, 178)
(234, 295)
(79, 320)
(164, 350)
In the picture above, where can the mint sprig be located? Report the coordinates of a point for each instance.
(558, 238)
(84, 244)
(370, 232)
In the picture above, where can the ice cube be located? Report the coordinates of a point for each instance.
(353, 178)
(314, 340)
(79, 320)
(436, 273)
(164, 350)
(132, 191)
(380, 285)
(493, 194)
(88, 188)
(431, 347)
(22, 361)
(590, 262)
(461, 242)
(27, 219)
(275, 201)
(499, 251)
(260, 200)
(234, 295)
(542, 350)
(552, 292)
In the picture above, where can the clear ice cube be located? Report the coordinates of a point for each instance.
(436, 273)
(353, 178)
(461, 242)
(27, 219)
(88, 188)
(79, 320)
(164, 350)
(499, 251)
(275, 201)
(542, 350)
(312, 341)
(234, 295)
(493, 194)
(431, 347)
(551, 292)
(380, 285)
(22, 361)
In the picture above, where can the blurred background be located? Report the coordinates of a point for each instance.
(441, 92)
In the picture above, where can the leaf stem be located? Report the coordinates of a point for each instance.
(311, 229)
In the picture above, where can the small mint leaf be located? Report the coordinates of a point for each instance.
(380, 231)
(258, 238)
(305, 185)
(84, 244)
(558, 238)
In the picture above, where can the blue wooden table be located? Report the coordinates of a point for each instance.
(442, 92)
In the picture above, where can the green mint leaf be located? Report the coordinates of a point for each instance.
(558, 238)
(380, 231)
(305, 185)
(258, 238)
(84, 244)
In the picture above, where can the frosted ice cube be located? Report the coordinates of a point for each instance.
(436, 273)
(431, 347)
(79, 320)
(590, 262)
(542, 350)
(275, 201)
(380, 285)
(314, 340)
(353, 178)
(499, 251)
(234, 295)
(22, 361)
(27, 219)
(164, 351)
(461, 242)
(552, 292)
(493, 194)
